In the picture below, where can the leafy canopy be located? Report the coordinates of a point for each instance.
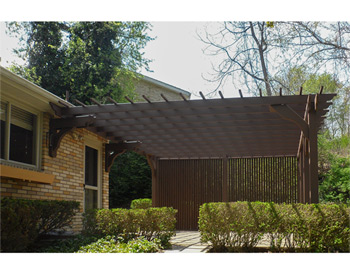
(87, 59)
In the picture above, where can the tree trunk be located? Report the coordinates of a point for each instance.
(262, 59)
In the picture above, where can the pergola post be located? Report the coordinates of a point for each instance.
(313, 155)
(306, 170)
(152, 161)
(224, 180)
(300, 174)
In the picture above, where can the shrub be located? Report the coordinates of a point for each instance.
(291, 227)
(230, 226)
(141, 204)
(110, 244)
(70, 245)
(23, 221)
(151, 223)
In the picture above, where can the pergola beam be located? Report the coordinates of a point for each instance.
(288, 113)
(177, 105)
(112, 150)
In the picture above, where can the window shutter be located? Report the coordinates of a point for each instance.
(22, 118)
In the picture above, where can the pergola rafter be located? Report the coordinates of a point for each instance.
(209, 128)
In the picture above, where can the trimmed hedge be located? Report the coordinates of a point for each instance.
(23, 221)
(239, 226)
(141, 204)
(151, 223)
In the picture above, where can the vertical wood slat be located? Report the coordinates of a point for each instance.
(187, 184)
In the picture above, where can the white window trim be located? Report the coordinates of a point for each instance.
(99, 147)
(38, 135)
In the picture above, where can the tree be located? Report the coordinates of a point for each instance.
(88, 59)
(260, 53)
(246, 47)
(317, 43)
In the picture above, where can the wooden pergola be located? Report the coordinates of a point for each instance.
(223, 128)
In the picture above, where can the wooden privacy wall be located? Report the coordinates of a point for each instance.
(187, 184)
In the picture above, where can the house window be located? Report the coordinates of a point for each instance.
(92, 178)
(19, 134)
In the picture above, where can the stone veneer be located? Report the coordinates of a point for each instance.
(68, 168)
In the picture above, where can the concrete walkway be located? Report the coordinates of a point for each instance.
(189, 242)
(186, 242)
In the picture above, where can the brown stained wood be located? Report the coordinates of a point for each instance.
(80, 103)
(55, 138)
(146, 98)
(129, 99)
(95, 101)
(313, 158)
(321, 90)
(152, 162)
(112, 150)
(288, 113)
(230, 130)
(196, 122)
(164, 97)
(218, 128)
(112, 100)
(183, 97)
(179, 105)
(224, 180)
(263, 137)
(202, 96)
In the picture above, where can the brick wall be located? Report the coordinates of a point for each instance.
(68, 168)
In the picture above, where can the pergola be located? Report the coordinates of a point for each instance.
(223, 128)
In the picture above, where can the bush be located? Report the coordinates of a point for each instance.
(23, 221)
(141, 204)
(335, 186)
(70, 245)
(151, 223)
(291, 227)
(111, 244)
(232, 226)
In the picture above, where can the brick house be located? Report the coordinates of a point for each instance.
(76, 173)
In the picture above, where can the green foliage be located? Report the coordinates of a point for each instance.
(292, 227)
(107, 244)
(130, 178)
(88, 59)
(334, 168)
(335, 186)
(233, 226)
(69, 245)
(141, 204)
(151, 223)
(23, 221)
(110, 244)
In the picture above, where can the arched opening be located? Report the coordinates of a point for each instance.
(130, 178)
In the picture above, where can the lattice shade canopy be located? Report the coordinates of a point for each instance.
(234, 127)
